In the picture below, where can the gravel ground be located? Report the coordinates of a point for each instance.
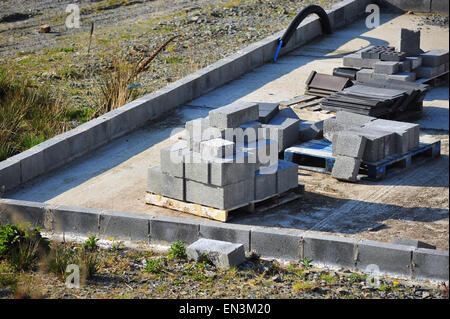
(210, 30)
(122, 275)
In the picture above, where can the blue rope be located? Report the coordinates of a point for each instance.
(278, 51)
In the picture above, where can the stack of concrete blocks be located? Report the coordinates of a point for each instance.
(357, 138)
(408, 64)
(228, 159)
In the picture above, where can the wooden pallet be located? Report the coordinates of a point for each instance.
(316, 155)
(222, 214)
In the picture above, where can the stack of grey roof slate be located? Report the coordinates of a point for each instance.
(388, 98)
(408, 64)
(358, 138)
(229, 158)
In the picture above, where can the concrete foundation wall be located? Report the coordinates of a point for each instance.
(363, 255)
(431, 6)
(89, 136)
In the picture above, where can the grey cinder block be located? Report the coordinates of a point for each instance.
(31, 163)
(404, 76)
(434, 58)
(405, 66)
(10, 174)
(78, 142)
(272, 243)
(356, 61)
(76, 220)
(385, 257)
(99, 131)
(284, 130)
(22, 212)
(412, 242)
(415, 61)
(196, 167)
(221, 253)
(310, 130)
(165, 229)
(165, 184)
(265, 185)
(353, 118)
(349, 144)
(430, 264)
(217, 148)
(234, 115)
(346, 168)
(56, 152)
(386, 67)
(118, 121)
(332, 126)
(364, 75)
(172, 159)
(231, 170)
(379, 145)
(124, 226)
(225, 197)
(263, 152)
(380, 76)
(287, 176)
(429, 71)
(410, 42)
(401, 132)
(330, 250)
(267, 111)
(226, 232)
(248, 132)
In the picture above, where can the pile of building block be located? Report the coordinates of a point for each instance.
(356, 138)
(230, 158)
(407, 64)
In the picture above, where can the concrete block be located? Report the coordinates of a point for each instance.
(312, 29)
(379, 145)
(356, 61)
(76, 220)
(405, 66)
(10, 174)
(273, 243)
(386, 257)
(267, 111)
(353, 118)
(225, 197)
(393, 56)
(256, 55)
(32, 163)
(99, 131)
(234, 115)
(172, 159)
(434, 58)
(349, 144)
(346, 168)
(231, 170)
(164, 229)
(56, 152)
(288, 112)
(404, 76)
(410, 42)
(329, 250)
(430, 264)
(265, 185)
(412, 242)
(22, 212)
(332, 126)
(124, 226)
(263, 152)
(283, 130)
(287, 176)
(196, 168)
(380, 76)
(221, 253)
(217, 148)
(78, 142)
(415, 61)
(196, 128)
(232, 233)
(351, 11)
(386, 67)
(337, 16)
(118, 121)
(165, 184)
(401, 133)
(240, 63)
(311, 130)
(429, 71)
(364, 75)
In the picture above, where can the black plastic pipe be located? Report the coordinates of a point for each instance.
(311, 9)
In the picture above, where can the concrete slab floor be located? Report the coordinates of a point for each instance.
(413, 204)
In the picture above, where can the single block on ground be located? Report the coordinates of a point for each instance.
(221, 253)
(346, 168)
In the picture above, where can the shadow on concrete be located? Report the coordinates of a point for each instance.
(317, 212)
(105, 158)
(317, 49)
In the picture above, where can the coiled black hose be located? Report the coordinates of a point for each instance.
(311, 9)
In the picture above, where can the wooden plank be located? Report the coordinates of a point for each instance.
(298, 99)
(289, 197)
(189, 208)
(312, 103)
